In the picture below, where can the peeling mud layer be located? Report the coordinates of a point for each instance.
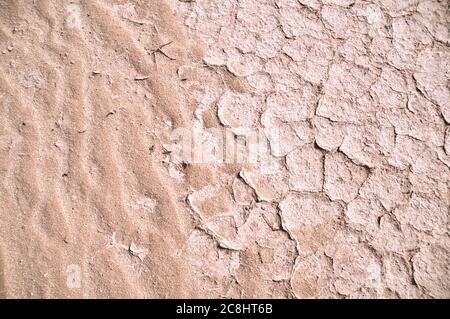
(352, 98)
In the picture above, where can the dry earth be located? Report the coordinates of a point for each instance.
(353, 97)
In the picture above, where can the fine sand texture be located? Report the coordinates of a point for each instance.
(350, 103)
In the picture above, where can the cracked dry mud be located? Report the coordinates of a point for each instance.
(352, 96)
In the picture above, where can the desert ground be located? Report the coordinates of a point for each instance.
(224, 149)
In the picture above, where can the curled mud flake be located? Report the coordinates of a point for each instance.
(346, 80)
(239, 110)
(398, 276)
(363, 214)
(297, 21)
(240, 38)
(356, 267)
(304, 131)
(396, 9)
(288, 82)
(431, 77)
(257, 16)
(282, 137)
(379, 47)
(215, 57)
(311, 58)
(313, 277)
(244, 65)
(269, 44)
(339, 110)
(425, 213)
(206, 22)
(354, 147)
(212, 264)
(354, 50)
(141, 253)
(443, 157)
(254, 267)
(338, 20)
(430, 175)
(224, 230)
(406, 152)
(276, 250)
(390, 89)
(291, 106)
(312, 4)
(432, 270)
(425, 124)
(277, 66)
(374, 15)
(282, 252)
(391, 188)
(260, 83)
(409, 37)
(262, 219)
(306, 169)
(310, 219)
(242, 193)
(267, 187)
(329, 135)
(393, 237)
(342, 177)
(209, 202)
(433, 15)
(434, 61)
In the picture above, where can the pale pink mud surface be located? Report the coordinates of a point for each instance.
(352, 96)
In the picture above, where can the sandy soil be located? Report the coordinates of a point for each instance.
(350, 99)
